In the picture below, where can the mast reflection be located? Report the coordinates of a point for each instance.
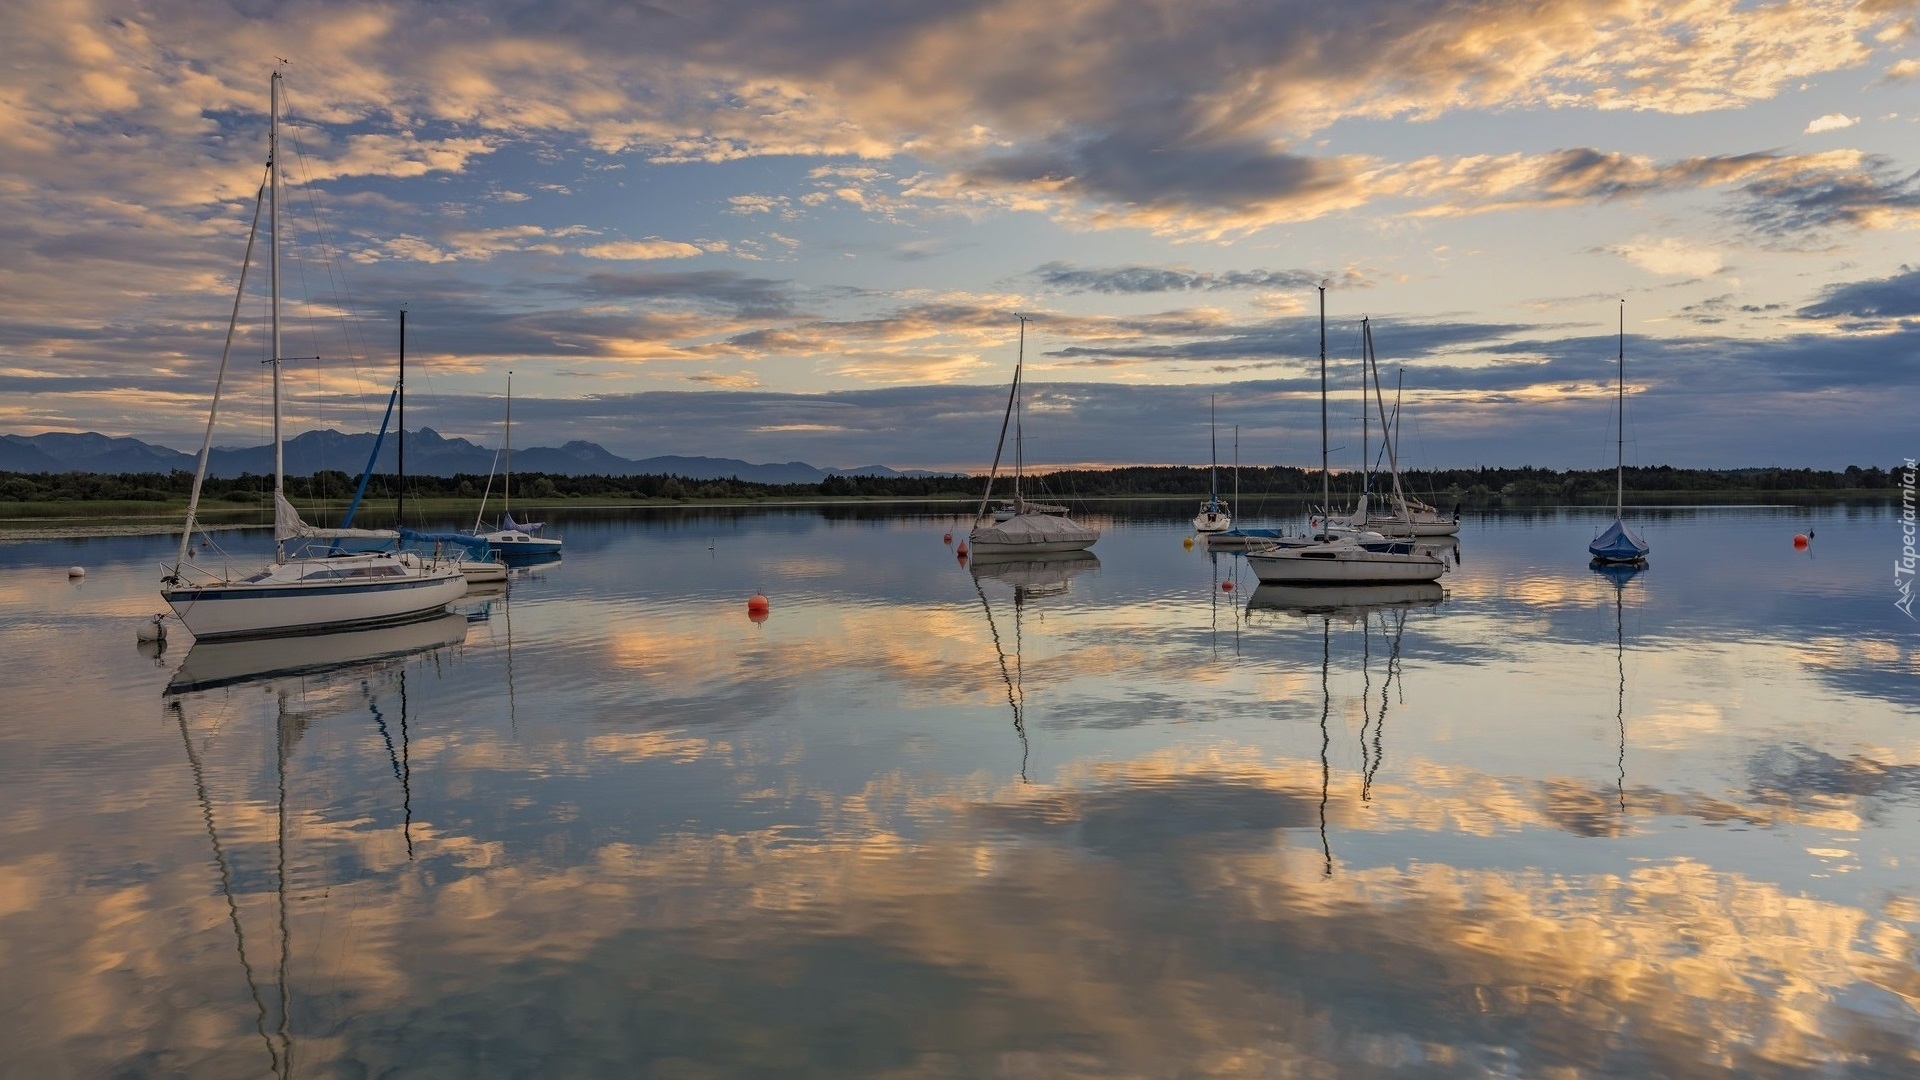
(1350, 603)
(1032, 577)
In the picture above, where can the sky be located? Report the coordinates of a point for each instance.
(804, 231)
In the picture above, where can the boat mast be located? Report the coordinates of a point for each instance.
(400, 497)
(1326, 475)
(1013, 393)
(1213, 454)
(273, 288)
(1019, 442)
(1620, 427)
(506, 478)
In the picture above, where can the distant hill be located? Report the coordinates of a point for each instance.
(428, 454)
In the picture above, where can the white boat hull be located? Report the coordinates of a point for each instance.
(1207, 522)
(305, 596)
(1341, 564)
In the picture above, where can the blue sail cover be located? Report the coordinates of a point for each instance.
(475, 545)
(507, 524)
(1619, 544)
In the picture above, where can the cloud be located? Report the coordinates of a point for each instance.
(1670, 256)
(1155, 279)
(643, 249)
(1830, 122)
(1896, 297)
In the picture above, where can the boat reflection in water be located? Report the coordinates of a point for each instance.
(1032, 577)
(1351, 603)
(211, 664)
(306, 679)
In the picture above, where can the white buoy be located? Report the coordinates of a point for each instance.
(154, 629)
(76, 571)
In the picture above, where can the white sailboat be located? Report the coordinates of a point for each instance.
(515, 541)
(1400, 514)
(1030, 528)
(1215, 516)
(1329, 559)
(300, 592)
(1620, 544)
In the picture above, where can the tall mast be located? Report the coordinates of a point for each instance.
(1019, 444)
(273, 287)
(1620, 427)
(400, 498)
(506, 480)
(1213, 454)
(1326, 475)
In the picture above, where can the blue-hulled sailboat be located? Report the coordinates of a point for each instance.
(1620, 544)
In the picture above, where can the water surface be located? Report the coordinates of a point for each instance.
(1120, 816)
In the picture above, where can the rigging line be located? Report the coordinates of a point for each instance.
(1393, 666)
(226, 885)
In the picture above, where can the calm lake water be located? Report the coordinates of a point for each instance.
(1094, 818)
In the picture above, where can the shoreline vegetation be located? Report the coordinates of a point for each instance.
(33, 501)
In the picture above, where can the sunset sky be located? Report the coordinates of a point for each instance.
(801, 231)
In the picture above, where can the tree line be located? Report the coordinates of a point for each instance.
(1472, 487)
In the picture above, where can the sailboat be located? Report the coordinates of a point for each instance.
(1031, 528)
(1620, 544)
(1214, 516)
(514, 541)
(1329, 559)
(308, 588)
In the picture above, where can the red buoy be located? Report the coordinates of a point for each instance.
(947, 539)
(962, 549)
(759, 616)
(1226, 586)
(1800, 541)
(757, 604)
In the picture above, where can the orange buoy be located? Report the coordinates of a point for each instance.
(1187, 543)
(1226, 586)
(757, 604)
(962, 549)
(947, 539)
(1800, 541)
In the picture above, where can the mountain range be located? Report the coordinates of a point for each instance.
(428, 454)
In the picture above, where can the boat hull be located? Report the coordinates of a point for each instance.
(517, 546)
(1035, 547)
(294, 599)
(1341, 565)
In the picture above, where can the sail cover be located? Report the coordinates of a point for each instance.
(1619, 544)
(1036, 529)
(507, 524)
